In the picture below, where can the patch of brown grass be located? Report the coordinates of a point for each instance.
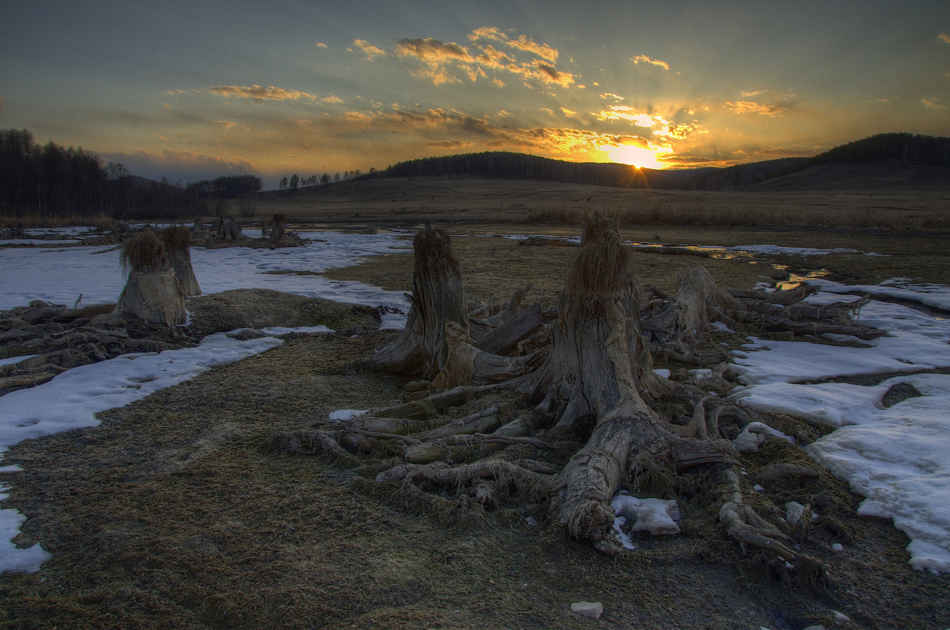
(144, 252)
(41, 221)
(176, 238)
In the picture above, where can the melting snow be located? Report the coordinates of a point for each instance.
(895, 457)
(37, 273)
(347, 414)
(22, 357)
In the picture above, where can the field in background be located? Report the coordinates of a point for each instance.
(480, 200)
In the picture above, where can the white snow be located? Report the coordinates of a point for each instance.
(342, 415)
(822, 298)
(13, 558)
(933, 295)
(916, 341)
(71, 400)
(895, 457)
(797, 251)
(38, 273)
(22, 357)
(32, 242)
(279, 331)
(656, 516)
(69, 230)
(755, 434)
(721, 327)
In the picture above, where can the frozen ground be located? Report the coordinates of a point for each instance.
(896, 457)
(73, 398)
(61, 275)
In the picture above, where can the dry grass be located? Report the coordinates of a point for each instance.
(173, 513)
(529, 201)
(41, 221)
(176, 238)
(144, 252)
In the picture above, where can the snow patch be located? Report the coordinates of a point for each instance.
(342, 415)
(755, 434)
(796, 251)
(11, 360)
(656, 516)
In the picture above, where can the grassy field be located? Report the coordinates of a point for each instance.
(526, 201)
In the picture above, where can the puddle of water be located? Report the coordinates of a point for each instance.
(796, 280)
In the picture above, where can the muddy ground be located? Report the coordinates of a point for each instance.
(175, 512)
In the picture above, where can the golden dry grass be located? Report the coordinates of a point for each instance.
(144, 252)
(529, 201)
(38, 221)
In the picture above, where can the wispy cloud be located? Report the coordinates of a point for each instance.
(773, 110)
(752, 93)
(933, 103)
(260, 93)
(333, 99)
(445, 62)
(610, 96)
(569, 113)
(320, 44)
(650, 60)
(522, 42)
(372, 52)
(944, 38)
(227, 124)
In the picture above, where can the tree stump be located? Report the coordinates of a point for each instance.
(152, 290)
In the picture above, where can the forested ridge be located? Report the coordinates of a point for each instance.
(51, 180)
(903, 148)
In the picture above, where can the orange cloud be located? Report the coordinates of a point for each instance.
(443, 60)
(522, 42)
(432, 50)
(944, 38)
(371, 52)
(650, 60)
(259, 93)
(320, 44)
(333, 99)
(932, 103)
(751, 107)
(610, 96)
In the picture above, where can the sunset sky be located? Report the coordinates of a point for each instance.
(196, 89)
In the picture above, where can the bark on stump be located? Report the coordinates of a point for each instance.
(177, 242)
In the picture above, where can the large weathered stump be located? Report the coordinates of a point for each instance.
(437, 299)
(152, 291)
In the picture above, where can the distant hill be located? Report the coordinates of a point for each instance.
(881, 161)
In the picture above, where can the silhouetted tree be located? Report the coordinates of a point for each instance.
(294, 180)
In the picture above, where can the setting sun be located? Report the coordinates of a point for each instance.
(640, 157)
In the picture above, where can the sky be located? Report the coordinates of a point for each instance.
(188, 90)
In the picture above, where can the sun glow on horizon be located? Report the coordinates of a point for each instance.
(639, 157)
